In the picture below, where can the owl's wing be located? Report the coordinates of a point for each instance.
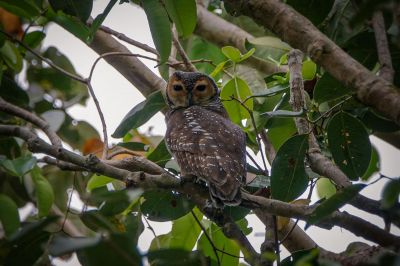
(209, 146)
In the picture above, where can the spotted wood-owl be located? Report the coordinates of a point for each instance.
(202, 139)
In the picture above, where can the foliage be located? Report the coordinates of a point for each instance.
(256, 101)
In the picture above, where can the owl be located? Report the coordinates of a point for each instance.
(202, 139)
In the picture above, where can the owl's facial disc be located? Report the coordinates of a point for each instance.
(190, 88)
(177, 93)
(202, 91)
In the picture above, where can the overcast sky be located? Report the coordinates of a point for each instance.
(117, 96)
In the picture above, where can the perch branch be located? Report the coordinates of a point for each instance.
(167, 181)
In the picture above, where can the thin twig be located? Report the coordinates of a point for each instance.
(207, 236)
(330, 110)
(103, 121)
(32, 22)
(49, 62)
(253, 121)
(255, 162)
(66, 166)
(152, 230)
(382, 46)
(90, 87)
(189, 66)
(126, 39)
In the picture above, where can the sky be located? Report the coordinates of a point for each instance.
(117, 96)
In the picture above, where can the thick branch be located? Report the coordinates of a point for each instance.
(130, 67)
(223, 33)
(300, 33)
(320, 163)
(382, 46)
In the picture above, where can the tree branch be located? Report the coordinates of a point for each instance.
(382, 46)
(186, 61)
(130, 67)
(223, 33)
(319, 163)
(198, 193)
(300, 33)
(32, 118)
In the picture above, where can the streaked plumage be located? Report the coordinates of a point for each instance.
(202, 139)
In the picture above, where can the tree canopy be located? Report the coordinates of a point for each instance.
(309, 82)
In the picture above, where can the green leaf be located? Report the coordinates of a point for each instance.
(377, 122)
(9, 216)
(133, 146)
(268, 48)
(95, 221)
(26, 244)
(108, 251)
(20, 166)
(218, 69)
(100, 19)
(97, 181)
(303, 258)
(315, 11)
(231, 53)
(349, 143)
(77, 8)
(160, 27)
(44, 192)
(308, 70)
(175, 257)
(164, 206)
(61, 245)
(184, 233)
(236, 212)
(24, 8)
(328, 88)
(114, 202)
(239, 89)
(325, 188)
(374, 165)
(140, 114)
(390, 194)
(333, 203)
(221, 242)
(184, 14)
(288, 176)
(70, 23)
(160, 155)
(280, 130)
(284, 113)
(34, 38)
(247, 55)
(11, 56)
(76, 133)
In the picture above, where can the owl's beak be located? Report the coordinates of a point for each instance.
(190, 96)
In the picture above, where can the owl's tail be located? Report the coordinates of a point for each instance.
(227, 194)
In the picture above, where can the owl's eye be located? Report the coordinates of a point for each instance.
(178, 88)
(201, 87)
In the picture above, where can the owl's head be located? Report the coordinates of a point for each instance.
(185, 89)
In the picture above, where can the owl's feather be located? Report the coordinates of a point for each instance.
(208, 145)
